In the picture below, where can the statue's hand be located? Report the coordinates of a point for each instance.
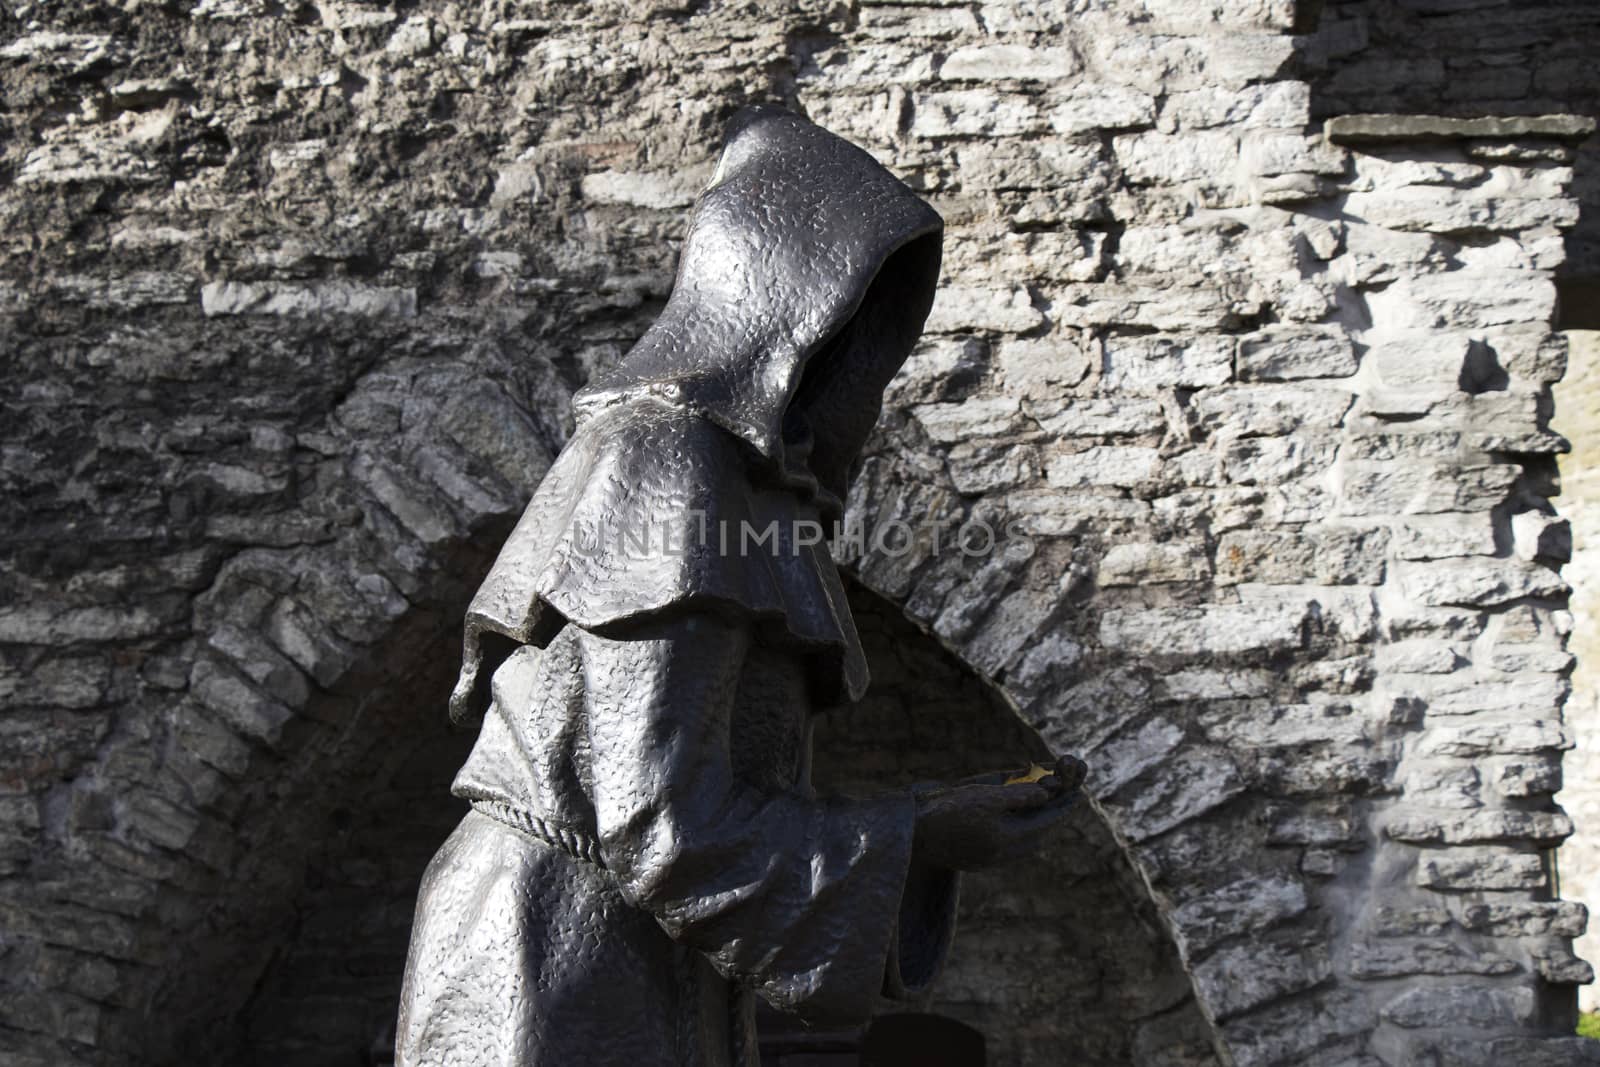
(983, 823)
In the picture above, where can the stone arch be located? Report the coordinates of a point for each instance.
(1065, 957)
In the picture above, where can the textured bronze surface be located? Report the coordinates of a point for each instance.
(646, 853)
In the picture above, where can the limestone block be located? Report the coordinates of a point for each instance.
(1522, 918)
(960, 308)
(975, 112)
(1276, 105)
(1242, 977)
(198, 732)
(1348, 609)
(1129, 753)
(979, 467)
(1042, 368)
(1330, 1024)
(1155, 158)
(1246, 906)
(1444, 536)
(1150, 363)
(1124, 466)
(1425, 489)
(1484, 739)
(1418, 657)
(1526, 776)
(237, 703)
(250, 653)
(417, 509)
(1007, 62)
(65, 51)
(1459, 299)
(1092, 107)
(1480, 869)
(1141, 563)
(1031, 163)
(55, 624)
(1010, 629)
(1395, 958)
(896, 22)
(64, 682)
(1159, 63)
(1204, 683)
(1477, 581)
(1558, 966)
(1390, 920)
(1272, 410)
(1376, 256)
(307, 300)
(1529, 351)
(1287, 353)
(657, 190)
(1152, 306)
(1462, 1005)
(1411, 128)
(1273, 153)
(1328, 830)
(1470, 694)
(1191, 783)
(1330, 555)
(1217, 629)
(1278, 461)
(1286, 726)
(1433, 360)
(1053, 513)
(1438, 828)
(885, 63)
(70, 159)
(299, 634)
(1428, 211)
(992, 416)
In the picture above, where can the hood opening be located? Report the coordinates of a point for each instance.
(837, 402)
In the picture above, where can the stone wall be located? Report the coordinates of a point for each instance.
(296, 295)
(1065, 958)
(1467, 59)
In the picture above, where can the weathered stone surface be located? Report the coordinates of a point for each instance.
(1234, 980)
(1186, 631)
(1356, 129)
(1241, 907)
(1283, 353)
(245, 298)
(315, 300)
(1393, 958)
(1137, 564)
(1477, 827)
(1463, 1005)
(1481, 869)
(1478, 582)
(1151, 363)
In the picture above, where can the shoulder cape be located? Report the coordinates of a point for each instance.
(651, 509)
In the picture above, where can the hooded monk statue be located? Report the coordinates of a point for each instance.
(645, 854)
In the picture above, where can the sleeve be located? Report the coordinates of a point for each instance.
(798, 897)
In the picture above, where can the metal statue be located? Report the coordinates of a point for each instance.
(645, 854)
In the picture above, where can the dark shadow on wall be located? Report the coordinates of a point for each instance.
(1063, 960)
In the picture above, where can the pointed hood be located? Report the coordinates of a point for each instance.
(803, 251)
(804, 282)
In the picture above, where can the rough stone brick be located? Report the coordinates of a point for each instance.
(1285, 353)
(1479, 870)
(1152, 363)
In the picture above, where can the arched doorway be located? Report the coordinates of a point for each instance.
(1062, 960)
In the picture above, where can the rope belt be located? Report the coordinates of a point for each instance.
(575, 843)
